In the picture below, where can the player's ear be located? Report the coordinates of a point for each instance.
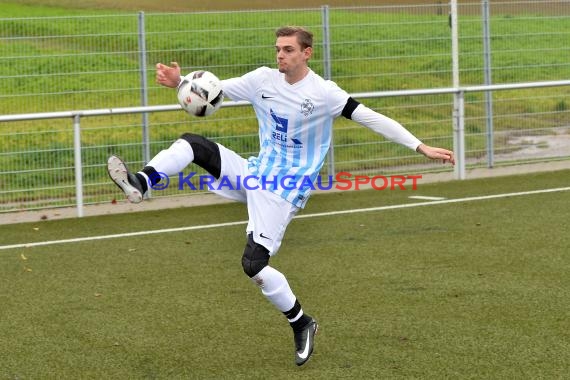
(308, 52)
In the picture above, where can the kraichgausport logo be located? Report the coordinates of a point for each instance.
(342, 181)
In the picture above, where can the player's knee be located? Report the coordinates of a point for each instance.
(255, 257)
(206, 153)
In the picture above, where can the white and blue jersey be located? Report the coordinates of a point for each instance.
(295, 124)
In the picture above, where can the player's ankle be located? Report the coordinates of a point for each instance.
(301, 323)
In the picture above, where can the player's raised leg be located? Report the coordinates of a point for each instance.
(187, 149)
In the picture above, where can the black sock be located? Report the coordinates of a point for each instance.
(300, 323)
(142, 181)
(153, 177)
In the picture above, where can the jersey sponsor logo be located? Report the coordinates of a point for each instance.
(263, 96)
(281, 124)
(279, 135)
(264, 237)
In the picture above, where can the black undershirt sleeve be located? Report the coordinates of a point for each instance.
(349, 108)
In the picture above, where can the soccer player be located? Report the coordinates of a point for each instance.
(295, 109)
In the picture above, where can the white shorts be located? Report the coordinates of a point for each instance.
(269, 214)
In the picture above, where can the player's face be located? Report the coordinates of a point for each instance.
(291, 58)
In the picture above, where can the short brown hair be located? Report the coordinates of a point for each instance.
(304, 37)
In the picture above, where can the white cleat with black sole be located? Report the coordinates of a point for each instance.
(126, 181)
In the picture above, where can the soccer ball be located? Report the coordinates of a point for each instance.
(200, 93)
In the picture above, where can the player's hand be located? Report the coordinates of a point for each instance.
(437, 153)
(168, 76)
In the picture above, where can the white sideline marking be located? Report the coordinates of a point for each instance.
(426, 198)
(315, 215)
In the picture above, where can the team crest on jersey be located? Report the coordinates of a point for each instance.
(307, 107)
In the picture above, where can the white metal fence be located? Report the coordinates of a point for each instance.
(102, 64)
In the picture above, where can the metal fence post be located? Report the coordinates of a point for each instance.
(459, 133)
(326, 43)
(327, 75)
(144, 92)
(488, 80)
(458, 98)
(78, 162)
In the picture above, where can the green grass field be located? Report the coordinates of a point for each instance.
(473, 289)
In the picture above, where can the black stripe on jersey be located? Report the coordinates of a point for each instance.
(349, 108)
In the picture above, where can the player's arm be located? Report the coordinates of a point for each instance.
(393, 131)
